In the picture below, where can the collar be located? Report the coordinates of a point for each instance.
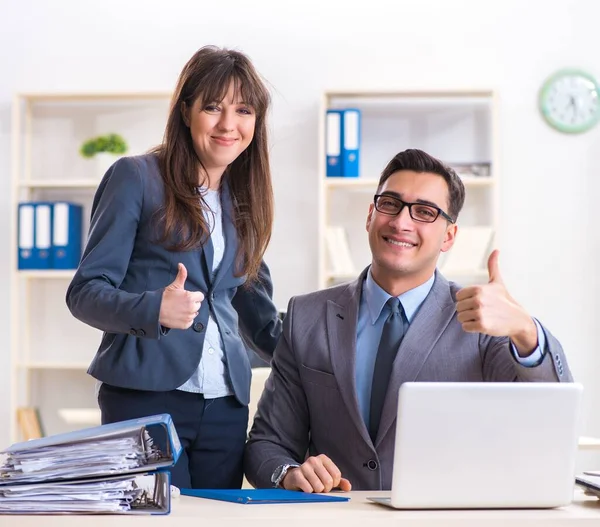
(411, 300)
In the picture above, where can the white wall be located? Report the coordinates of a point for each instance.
(549, 184)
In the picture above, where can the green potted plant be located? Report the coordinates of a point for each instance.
(105, 149)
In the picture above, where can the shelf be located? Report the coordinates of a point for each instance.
(370, 184)
(47, 132)
(352, 183)
(342, 276)
(411, 104)
(86, 97)
(44, 274)
(472, 273)
(60, 183)
(462, 273)
(471, 181)
(589, 443)
(446, 97)
(54, 365)
(80, 416)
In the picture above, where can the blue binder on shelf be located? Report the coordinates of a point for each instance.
(333, 143)
(66, 235)
(42, 248)
(26, 236)
(351, 121)
(35, 235)
(261, 496)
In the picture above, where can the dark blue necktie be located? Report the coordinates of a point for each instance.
(393, 331)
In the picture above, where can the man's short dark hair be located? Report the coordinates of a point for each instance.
(419, 161)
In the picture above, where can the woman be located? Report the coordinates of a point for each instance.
(173, 271)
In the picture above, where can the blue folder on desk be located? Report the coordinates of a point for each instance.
(258, 496)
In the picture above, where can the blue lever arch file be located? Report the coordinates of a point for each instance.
(102, 432)
(148, 493)
(66, 235)
(261, 496)
(26, 236)
(333, 143)
(43, 235)
(351, 142)
(109, 469)
(35, 235)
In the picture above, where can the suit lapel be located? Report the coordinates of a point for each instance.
(207, 259)
(230, 234)
(431, 320)
(342, 321)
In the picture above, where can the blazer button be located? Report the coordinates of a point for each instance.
(198, 327)
(141, 333)
(372, 464)
(133, 332)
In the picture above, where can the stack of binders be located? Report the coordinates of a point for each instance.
(109, 469)
(342, 147)
(49, 235)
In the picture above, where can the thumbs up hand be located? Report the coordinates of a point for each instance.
(489, 309)
(494, 268)
(179, 307)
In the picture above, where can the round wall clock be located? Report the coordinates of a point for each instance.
(570, 101)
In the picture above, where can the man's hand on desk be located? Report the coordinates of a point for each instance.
(316, 474)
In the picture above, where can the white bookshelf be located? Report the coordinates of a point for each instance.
(40, 365)
(370, 184)
(50, 349)
(458, 127)
(46, 274)
(59, 183)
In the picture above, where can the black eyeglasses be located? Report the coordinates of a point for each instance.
(392, 206)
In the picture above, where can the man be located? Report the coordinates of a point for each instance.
(327, 416)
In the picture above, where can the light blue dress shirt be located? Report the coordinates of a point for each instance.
(210, 378)
(372, 314)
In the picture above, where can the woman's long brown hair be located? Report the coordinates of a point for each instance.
(208, 75)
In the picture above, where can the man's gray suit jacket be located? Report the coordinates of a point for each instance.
(119, 284)
(310, 406)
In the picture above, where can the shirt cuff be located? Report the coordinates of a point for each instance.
(537, 356)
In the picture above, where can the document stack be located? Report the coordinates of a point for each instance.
(109, 469)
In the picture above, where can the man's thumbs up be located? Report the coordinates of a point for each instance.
(179, 282)
(179, 307)
(489, 309)
(494, 268)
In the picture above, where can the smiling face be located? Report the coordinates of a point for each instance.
(404, 251)
(220, 131)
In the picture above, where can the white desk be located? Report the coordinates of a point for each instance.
(358, 512)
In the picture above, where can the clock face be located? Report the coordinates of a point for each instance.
(570, 101)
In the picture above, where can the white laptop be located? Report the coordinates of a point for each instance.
(485, 445)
